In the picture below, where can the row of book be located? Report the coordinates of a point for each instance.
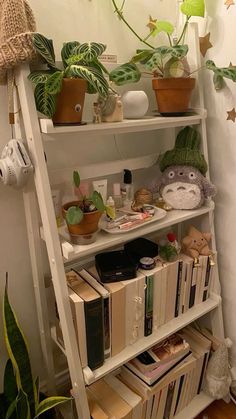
(180, 367)
(117, 314)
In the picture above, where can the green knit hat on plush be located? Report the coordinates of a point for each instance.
(186, 152)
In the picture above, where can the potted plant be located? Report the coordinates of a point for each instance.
(82, 216)
(59, 93)
(21, 397)
(172, 81)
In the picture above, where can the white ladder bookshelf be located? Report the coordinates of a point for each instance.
(60, 250)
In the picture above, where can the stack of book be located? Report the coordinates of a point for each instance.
(180, 364)
(117, 314)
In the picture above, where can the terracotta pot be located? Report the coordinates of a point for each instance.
(70, 102)
(173, 95)
(89, 223)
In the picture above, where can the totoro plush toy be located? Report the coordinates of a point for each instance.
(183, 184)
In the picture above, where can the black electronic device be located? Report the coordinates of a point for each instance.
(140, 248)
(115, 266)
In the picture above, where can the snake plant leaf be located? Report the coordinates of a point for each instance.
(193, 8)
(44, 47)
(94, 77)
(76, 178)
(74, 215)
(162, 26)
(36, 389)
(40, 76)
(125, 73)
(97, 200)
(18, 352)
(91, 50)
(45, 103)
(53, 84)
(11, 411)
(23, 408)
(9, 386)
(68, 50)
(49, 403)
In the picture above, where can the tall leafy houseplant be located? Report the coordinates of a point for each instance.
(80, 64)
(20, 399)
(165, 62)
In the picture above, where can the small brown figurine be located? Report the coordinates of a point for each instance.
(196, 243)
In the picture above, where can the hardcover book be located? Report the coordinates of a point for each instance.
(93, 313)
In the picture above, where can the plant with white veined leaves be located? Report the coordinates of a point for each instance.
(79, 61)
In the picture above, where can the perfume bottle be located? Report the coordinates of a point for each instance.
(127, 190)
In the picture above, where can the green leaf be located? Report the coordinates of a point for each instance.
(18, 352)
(44, 47)
(94, 77)
(179, 51)
(36, 389)
(163, 26)
(90, 50)
(225, 72)
(23, 408)
(142, 56)
(218, 81)
(125, 73)
(11, 410)
(49, 403)
(154, 62)
(40, 76)
(74, 215)
(76, 178)
(10, 386)
(53, 84)
(68, 50)
(97, 200)
(45, 102)
(193, 8)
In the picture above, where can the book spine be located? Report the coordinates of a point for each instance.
(178, 290)
(193, 287)
(148, 317)
(93, 311)
(107, 327)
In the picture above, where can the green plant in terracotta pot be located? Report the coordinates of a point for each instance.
(167, 64)
(59, 93)
(82, 216)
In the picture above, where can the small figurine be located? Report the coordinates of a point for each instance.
(111, 107)
(97, 119)
(196, 243)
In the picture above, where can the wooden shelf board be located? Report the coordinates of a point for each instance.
(148, 123)
(143, 344)
(106, 240)
(196, 406)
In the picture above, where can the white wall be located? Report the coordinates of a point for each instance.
(222, 153)
(62, 20)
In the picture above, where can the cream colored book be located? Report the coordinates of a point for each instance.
(201, 275)
(187, 285)
(162, 403)
(128, 395)
(77, 308)
(110, 400)
(135, 306)
(172, 276)
(95, 409)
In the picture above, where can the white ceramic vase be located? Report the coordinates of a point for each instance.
(135, 104)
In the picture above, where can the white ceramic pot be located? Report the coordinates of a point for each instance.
(135, 104)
